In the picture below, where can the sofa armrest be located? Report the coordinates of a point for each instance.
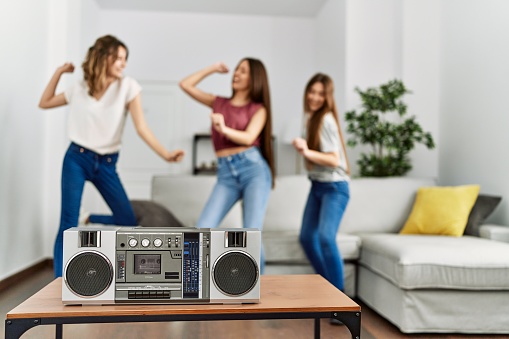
(494, 232)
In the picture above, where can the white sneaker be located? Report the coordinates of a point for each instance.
(83, 217)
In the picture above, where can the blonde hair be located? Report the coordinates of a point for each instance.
(95, 66)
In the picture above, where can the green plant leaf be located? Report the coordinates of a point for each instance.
(380, 125)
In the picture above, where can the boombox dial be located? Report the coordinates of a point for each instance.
(158, 242)
(133, 242)
(145, 242)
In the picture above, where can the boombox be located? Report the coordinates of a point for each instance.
(139, 265)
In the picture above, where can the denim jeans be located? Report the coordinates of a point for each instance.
(245, 176)
(322, 215)
(80, 165)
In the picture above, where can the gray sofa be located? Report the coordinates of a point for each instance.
(419, 283)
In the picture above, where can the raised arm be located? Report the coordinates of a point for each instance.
(189, 83)
(48, 98)
(147, 135)
(244, 138)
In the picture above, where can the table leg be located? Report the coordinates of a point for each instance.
(58, 331)
(352, 321)
(317, 328)
(14, 328)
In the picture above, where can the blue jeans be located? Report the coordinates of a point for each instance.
(80, 165)
(245, 176)
(323, 213)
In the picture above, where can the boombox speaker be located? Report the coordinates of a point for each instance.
(118, 265)
(89, 274)
(89, 255)
(235, 273)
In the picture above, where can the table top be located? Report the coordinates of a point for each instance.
(278, 294)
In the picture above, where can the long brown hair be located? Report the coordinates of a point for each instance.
(316, 118)
(97, 61)
(259, 92)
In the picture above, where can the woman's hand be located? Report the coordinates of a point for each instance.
(220, 67)
(175, 156)
(301, 146)
(218, 122)
(66, 68)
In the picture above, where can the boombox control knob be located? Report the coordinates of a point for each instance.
(158, 242)
(145, 242)
(133, 242)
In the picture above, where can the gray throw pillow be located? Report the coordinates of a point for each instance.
(152, 214)
(483, 207)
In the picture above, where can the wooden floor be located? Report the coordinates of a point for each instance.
(373, 326)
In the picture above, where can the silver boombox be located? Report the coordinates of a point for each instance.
(120, 265)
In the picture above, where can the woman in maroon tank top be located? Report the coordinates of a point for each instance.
(241, 128)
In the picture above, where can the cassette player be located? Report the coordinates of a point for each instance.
(119, 265)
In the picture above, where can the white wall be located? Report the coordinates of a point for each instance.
(420, 71)
(22, 150)
(396, 39)
(38, 36)
(474, 116)
(330, 49)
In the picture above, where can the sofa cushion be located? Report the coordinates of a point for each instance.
(151, 214)
(286, 203)
(441, 210)
(483, 207)
(284, 247)
(494, 232)
(380, 205)
(186, 195)
(426, 261)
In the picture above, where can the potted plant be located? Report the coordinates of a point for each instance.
(382, 124)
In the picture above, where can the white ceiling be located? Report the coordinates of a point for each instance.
(299, 8)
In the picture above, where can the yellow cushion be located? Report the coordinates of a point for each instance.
(441, 210)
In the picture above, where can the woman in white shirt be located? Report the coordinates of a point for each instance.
(97, 115)
(323, 149)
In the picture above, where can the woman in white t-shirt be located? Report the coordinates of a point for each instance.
(97, 115)
(324, 152)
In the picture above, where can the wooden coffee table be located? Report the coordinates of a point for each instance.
(282, 297)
